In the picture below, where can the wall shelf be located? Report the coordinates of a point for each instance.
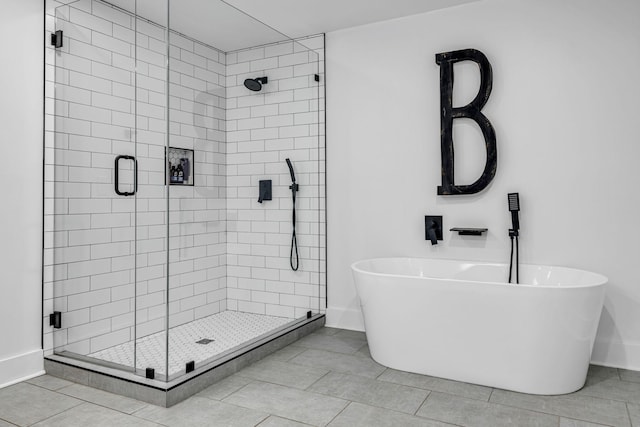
(462, 231)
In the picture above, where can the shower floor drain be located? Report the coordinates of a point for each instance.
(204, 341)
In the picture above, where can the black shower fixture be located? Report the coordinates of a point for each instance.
(256, 84)
(514, 232)
(294, 187)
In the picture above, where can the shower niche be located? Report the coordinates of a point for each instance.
(180, 166)
(179, 272)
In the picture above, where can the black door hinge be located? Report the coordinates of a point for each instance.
(55, 319)
(56, 39)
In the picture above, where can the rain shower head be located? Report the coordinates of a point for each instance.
(255, 84)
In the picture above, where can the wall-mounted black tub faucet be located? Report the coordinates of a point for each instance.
(431, 232)
(433, 228)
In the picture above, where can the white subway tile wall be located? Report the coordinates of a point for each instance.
(106, 96)
(96, 233)
(284, 120)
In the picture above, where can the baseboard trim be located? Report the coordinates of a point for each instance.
(345, 318)
(21, 367)
(616, 354)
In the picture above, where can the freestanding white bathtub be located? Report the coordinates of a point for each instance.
(462, 321)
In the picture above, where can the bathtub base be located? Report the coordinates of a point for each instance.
(496, 379)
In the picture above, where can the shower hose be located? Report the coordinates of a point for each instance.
(294, 239)
(512, 235)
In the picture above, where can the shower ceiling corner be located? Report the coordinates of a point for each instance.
(157, 251)
(215, 23)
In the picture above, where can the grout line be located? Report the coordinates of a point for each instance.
(583, 421)
(43, 387)
(538, 411)
(496, 404)
(341, 411)
(422, 404)
(263, 420)
(397, 411)
(385, 370)
(8, 422)
(146, 419)
(628, 413)
(104, 405)
(81, 402)
(146, 405)
(329, 371)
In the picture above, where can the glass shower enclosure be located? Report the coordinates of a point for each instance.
(159, 257)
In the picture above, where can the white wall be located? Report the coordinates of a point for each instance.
(564, 106)
(21, 25)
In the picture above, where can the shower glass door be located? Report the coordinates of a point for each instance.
(106, 198)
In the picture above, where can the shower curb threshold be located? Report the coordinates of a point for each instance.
(166, 394)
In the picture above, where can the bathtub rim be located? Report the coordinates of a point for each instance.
(600, 279)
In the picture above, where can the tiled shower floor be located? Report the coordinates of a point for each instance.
(227, 330)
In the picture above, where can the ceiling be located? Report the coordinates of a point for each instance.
(228, 25)
(298, 18)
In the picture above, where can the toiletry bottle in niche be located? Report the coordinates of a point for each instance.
(174, 175)
(185, 168)
(180, 174)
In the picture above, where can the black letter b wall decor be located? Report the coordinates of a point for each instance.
(471, 111)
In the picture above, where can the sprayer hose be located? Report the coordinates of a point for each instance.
(294, 239)
(511, 259)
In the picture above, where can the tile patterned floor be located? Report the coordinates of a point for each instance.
(328, 378)
(227, 330)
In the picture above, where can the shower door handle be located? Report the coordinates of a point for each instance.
(117, 175)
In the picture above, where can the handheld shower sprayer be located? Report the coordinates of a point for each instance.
(514, 232)
(514, 208)
(293, 175)
(294, 241)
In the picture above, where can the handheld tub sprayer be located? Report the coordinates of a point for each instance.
(294, 241)
(514, 208)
